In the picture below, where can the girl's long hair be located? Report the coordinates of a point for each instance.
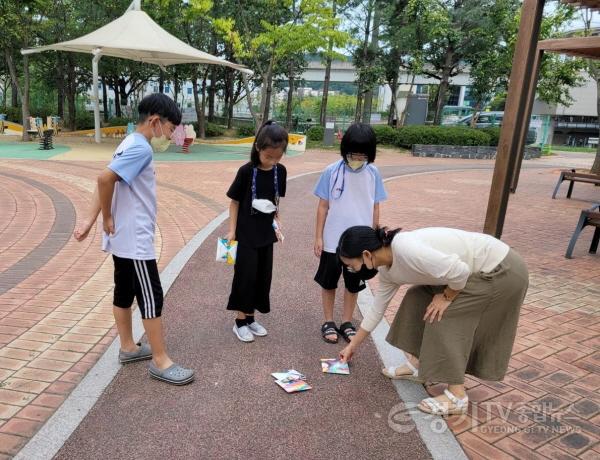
(361, 238)
(269, 135)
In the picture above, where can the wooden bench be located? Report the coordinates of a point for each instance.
(588, 217)
(573, 176)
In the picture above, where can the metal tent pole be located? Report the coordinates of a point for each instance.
(97, 55)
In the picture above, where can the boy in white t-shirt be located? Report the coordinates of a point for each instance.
(349, 193)
(126, 195)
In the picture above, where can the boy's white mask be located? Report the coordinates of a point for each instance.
(161, 143)
(265, 206)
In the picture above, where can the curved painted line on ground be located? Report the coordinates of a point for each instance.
(205, 200)
(60, 233)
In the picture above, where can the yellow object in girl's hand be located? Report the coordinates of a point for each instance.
(226, 251)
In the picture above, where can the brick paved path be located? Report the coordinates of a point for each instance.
(55, 294)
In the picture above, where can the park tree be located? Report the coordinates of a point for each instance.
(292, 68)
(480, 35)
(267, 32)
(68, 73)
(394, 26)
(191, 22)
(19, 23)
(453, 31)
(490, 67)
(375, 57)
(366, 55)
(557, 74)
(229, 83)
(407, 40)
(4, 82)
(336, 38)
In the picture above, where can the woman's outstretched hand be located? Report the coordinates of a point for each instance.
(436, 308)
(346, 353)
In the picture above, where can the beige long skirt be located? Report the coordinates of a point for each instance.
(477, 331)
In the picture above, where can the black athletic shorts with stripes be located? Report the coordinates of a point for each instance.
(138, 279)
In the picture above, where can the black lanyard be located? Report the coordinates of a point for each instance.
(340, 190)
(276, 183)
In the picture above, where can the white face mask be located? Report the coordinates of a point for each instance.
(356, 164)
(265, 206)
(161, 143)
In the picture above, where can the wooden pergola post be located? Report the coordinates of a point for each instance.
(516, 101)
(532, 85)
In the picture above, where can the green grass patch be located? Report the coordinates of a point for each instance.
(319, 145)
(568, 148)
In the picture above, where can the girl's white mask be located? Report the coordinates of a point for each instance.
(265, 206)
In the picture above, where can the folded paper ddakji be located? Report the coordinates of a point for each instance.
(226, 251)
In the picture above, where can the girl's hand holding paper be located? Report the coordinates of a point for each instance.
(226, 251)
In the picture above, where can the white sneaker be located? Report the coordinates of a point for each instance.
(243, 333)
(257, 329)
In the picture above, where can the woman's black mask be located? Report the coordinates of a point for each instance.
(365, 273)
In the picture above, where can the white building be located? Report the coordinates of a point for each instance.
(572, 124)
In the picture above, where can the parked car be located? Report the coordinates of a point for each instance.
(489, 119)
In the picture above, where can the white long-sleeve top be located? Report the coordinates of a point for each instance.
(433, 256)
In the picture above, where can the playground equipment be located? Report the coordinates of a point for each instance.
(296, 142)
(109, 131)
(190, 135)
(46, 140)
(184, 136)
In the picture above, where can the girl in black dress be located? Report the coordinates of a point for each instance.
(253, 217)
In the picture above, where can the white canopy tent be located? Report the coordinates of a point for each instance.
(137, 37)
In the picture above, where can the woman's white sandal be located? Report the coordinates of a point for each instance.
(390, 372)
(435, 407)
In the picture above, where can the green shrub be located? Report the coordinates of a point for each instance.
(13, 114)
(440, 135)
(41, 112)
(245, 131)
(119, 121)
(385, 134)
(315, 133)
(210, 129)
(83, 120)
(494, 133)
(213, 130)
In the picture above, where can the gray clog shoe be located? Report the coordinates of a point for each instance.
(175, 374)
(142, 353)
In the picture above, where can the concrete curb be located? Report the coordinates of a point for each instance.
(434, 431)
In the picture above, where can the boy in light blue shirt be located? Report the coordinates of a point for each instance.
(126, 196)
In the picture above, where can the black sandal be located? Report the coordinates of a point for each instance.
(329, 328)
(347, 331)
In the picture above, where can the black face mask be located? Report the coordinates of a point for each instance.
(366, 273)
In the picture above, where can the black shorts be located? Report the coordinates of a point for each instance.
(139, 279)
(329, 273)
